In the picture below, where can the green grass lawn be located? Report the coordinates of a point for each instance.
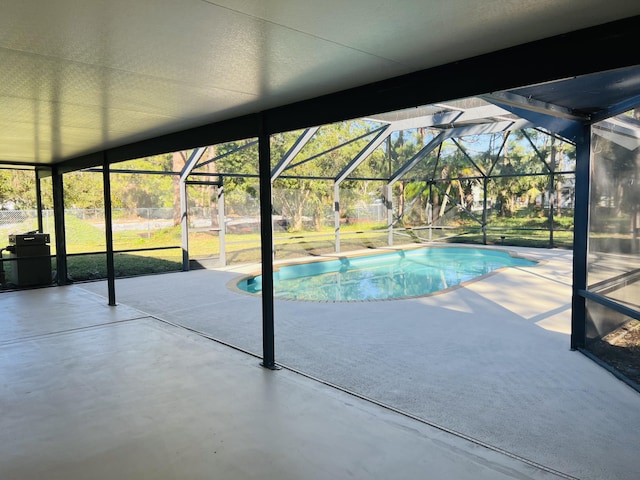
(85, 243)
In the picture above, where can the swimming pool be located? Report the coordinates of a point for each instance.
(384, 276)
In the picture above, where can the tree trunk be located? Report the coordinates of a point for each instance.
(317, 218)
(445, 199)
(434, 206)
(296, 220)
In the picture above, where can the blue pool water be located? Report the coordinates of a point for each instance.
(397, 274)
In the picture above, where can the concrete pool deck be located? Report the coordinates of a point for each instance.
(490, 361)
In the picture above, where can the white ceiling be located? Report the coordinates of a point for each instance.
(78, 76)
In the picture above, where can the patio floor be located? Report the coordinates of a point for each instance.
(483, 376)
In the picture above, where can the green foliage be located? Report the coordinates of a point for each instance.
(17, 189)
(238, 158)
(332, 148)
(616, 178)
(83, 190)
(143, 191)
(445, 186)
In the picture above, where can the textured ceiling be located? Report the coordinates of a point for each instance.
(79, 76)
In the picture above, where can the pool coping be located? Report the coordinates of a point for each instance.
(233, 283)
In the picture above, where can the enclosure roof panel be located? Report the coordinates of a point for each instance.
(588, 94)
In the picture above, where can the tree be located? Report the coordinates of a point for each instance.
(83, 190)
(17, 189)
(140, 190)
(524, 165)
(616, 182)
(307, 196)
(241, 193)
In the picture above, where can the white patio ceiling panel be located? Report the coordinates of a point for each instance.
(81, 76)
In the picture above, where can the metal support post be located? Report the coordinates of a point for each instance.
(552, 193)
(430, 212)
(266, 246)
(39, 202)
(191, 162)
(222, 230)
(336, 214)
(58, 217)
(184, 224)
(484, 210)
(388, 202)
(108, 231)
(581, 237)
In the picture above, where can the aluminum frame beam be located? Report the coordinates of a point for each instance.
(222, 233)
(38, 185)
(457, 132)
(226, 154)
(336, 215)
(363, 154)
(58, 217)
(413, 161)
(468, 157)
(108, 230)
(333, 149)
(617, 109)
(295, 149)
(538, 154)
(388, 203)
(486, 111)
(266, 250)
(425, 121)
(551, 117)
(622, 131)
(581, 238)
(191, 162)
(514, 100)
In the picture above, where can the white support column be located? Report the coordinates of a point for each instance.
(192, 161)
(336, 214)
(388, 202)
(184, 225)
(429, 213)
(222, 228)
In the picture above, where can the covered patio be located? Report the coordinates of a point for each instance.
(120, 394)
(473, 383)
(177, 376)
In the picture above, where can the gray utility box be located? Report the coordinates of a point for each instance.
(30, 259)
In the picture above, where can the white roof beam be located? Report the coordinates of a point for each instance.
(191, 162)
(622, 133)
(363, 154)
(293, 151)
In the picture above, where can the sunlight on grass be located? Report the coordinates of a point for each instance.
(85, 237)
